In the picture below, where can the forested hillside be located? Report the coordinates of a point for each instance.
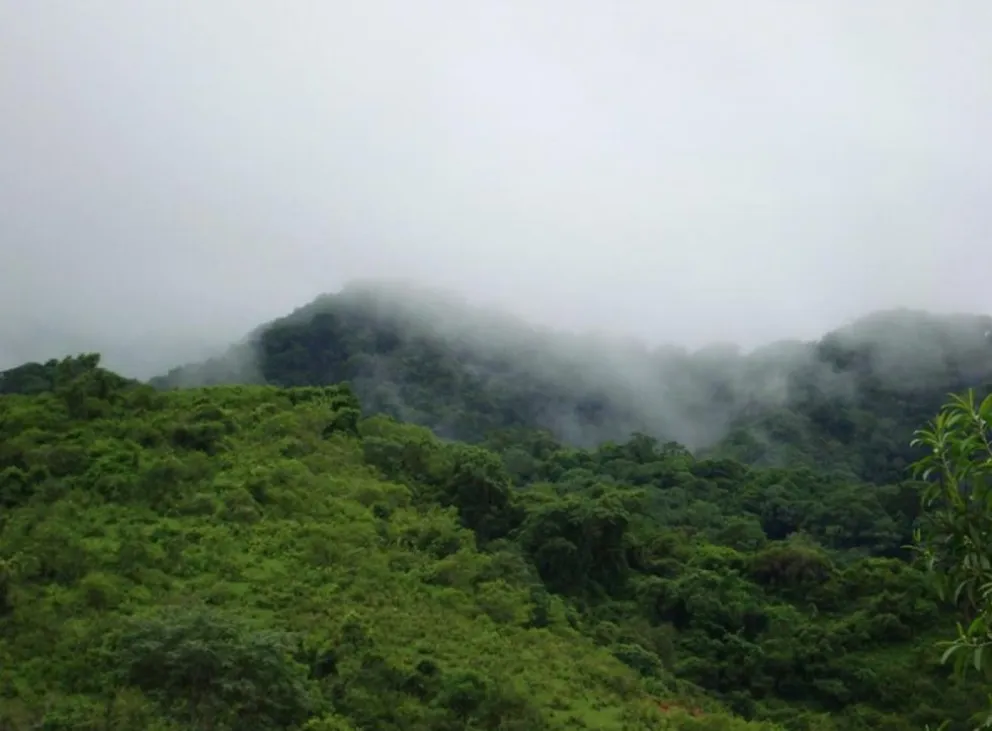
(848, 402)
(493, 526)
(261, 557)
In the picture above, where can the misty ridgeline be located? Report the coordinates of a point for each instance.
(429, 357)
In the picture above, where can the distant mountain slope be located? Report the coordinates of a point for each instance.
(849, 400)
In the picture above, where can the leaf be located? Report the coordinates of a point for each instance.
(985, 408)
(948, 652)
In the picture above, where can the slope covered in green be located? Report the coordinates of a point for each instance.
(226, 558)
(258, 557)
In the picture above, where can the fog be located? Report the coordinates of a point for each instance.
(174, 174)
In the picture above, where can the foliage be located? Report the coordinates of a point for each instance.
(208, 670)
(228, 558)
(955, 539)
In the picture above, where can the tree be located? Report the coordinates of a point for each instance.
(211, 671)
(955, 535)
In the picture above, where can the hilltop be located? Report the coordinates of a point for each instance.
(846, 402)
(264, 557)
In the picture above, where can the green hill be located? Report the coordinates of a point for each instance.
(261, 557)
(847, 402)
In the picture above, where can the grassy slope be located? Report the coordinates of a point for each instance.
(272, 522)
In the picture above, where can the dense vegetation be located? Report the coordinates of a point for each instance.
(956, 526)
(276, 557)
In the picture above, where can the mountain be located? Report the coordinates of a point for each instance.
(391, 510)
(262, 557)
(847, 402)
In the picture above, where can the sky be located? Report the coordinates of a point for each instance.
(172, 174)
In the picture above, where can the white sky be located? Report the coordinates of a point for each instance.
(174, 173)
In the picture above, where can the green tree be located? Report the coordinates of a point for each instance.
(214, 672)
(955, 538)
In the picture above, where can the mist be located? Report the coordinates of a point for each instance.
(431, 357)
(173, 175)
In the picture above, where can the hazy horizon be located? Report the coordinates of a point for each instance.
(174, 175)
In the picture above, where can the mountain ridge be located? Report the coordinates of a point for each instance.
(465, 371)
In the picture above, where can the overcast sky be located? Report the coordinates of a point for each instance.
(174, 173)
